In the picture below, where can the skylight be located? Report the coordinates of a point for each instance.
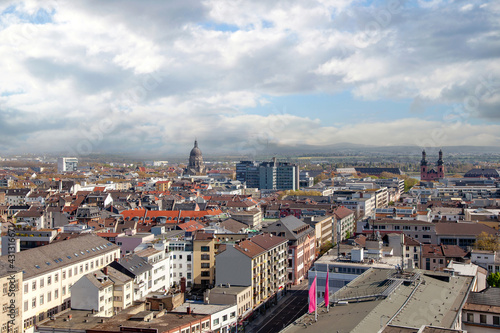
(37, 266)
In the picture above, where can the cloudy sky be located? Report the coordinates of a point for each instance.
(150, 76)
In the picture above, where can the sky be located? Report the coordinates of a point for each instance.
(150, 77)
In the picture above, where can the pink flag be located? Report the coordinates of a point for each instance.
(327, 291)
(312, 297)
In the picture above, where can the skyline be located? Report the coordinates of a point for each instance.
(147, 77)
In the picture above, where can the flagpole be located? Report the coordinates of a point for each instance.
(316, 296)
(327, 290)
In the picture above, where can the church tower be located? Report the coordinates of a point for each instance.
(440, 165)
(423, 167)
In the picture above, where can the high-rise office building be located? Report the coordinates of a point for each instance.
(65, 164)
(272, 175)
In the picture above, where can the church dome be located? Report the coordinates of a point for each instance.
(195, 152)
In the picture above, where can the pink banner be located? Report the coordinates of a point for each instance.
(327, 291)
(312, 297)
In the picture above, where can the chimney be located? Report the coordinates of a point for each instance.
(188, 310)
(105, 270)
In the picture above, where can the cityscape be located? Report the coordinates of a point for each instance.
(250, 166)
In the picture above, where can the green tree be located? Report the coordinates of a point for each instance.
(494, 280)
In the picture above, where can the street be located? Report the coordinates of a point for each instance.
(289, 308)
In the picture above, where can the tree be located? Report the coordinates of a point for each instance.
(493, 280)
(486, 242)
(325, 247)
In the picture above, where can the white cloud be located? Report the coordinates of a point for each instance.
(167, 71)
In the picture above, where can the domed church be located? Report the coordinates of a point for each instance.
(196, 165)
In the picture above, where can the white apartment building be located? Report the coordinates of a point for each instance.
(51, 270)
(180, 253)
(161, 264)
(140, 270)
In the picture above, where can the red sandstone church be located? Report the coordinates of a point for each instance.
(426, 174)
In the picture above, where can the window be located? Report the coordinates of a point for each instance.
(33, 302)
(26, 288)
(63, 291)
(216, 321)
(482, 319)
(188, 257)
(56, 277)
(49, 280)
(49, 296)
(56, 293)
(496, 320)
(33, 285)
(204, 273)
(25, 305)
(41, 299)
(205, 265)
(205, 257)
(205, 249)
(224, 318)
(232, 315)
(41, 282)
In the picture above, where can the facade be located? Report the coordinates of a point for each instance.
(203, 259)
(93, 291)
(259, 262)
(139, 270)
(11, 298)
(323, 226)
(227, 294)
(65, 164)
(481, 312)
(346, 221)
(196, 165)
(222, 317)
(160, 273)
(51, 270)
(268, 175)
(181, 261)
(301, 245)
(431, 175)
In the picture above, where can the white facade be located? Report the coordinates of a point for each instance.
(49, 293)
(181, 262)
(65, 164)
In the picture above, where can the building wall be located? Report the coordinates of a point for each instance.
(471, 321)
(11, 302)
(61, 280)
(233, 267)
(205, 275)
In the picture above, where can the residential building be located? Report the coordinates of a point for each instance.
(161, 262)
(222, 317)
(139, 270)
(227, 294)
(345, 219)
(93, 291)
(203, 259)
(323, 226)
(259, 262)
(11, 279)
(301, 245)
(437, 257)
(481, 312)
(51, 270)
